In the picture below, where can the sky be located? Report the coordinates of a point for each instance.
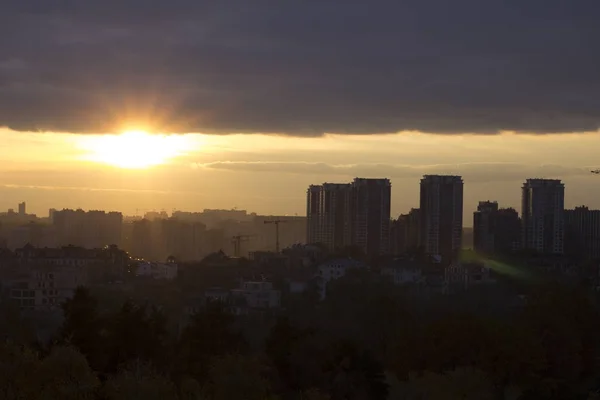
(247, 103)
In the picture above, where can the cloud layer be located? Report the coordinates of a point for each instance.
(471, 172)
(300, 68)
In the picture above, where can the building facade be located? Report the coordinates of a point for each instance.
(582, 233)
(507, 233)
(543, 203)
(350, 214)
(328, 214)
(370, 215)
(332, 270)
(92, 229)
(484, 226)
(441, 214)
(405, 233)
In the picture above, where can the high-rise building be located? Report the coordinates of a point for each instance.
(356, 213)
(313, 213)
(582, 233)
(484, 228)
(22, 208)
(507, 233)
(370, 215)
(441, 215)
(495, 230)
(404, 233)
(542, 213)
(93, 229)
(328, 211)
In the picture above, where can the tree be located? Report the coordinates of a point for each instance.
(139, 381)
(82, 327)
(209, 334)
(237, 377)
(458, 384)
(357, 374)
(278, 347)
(13, 326)
(366, 309)
(66, 375)
(565, 322)
(190, 389)
(314, 394)
(18, 366)
(137, 334)
(63, 374)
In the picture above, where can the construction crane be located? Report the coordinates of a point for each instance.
(276, 222)
(237, 242)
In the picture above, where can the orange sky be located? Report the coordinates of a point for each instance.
(269, 174)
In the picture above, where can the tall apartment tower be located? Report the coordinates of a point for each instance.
(441, 208)
(328, 208)
(404, 233)
(22, 208)
(313, 202)
(370, 215)
(484, 226)
(543, 203)
(507, 233)
(496, 230)
(357, 213)
(582, 233)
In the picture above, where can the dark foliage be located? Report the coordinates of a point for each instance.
(348, 345)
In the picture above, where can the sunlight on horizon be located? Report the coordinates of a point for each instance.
(134, 149)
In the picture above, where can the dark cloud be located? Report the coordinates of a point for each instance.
(301, 68)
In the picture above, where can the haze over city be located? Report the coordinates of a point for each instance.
(299, 200)
(262, 108)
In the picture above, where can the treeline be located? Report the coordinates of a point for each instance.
(363, 342)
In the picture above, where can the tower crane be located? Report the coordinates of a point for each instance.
(237, 242)
(276, 222)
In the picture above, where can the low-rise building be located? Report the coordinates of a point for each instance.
(463, 275)
(258, 295)
(402, 271)
(156, 270)
(334, 269)
(45, 288)
(217, 294)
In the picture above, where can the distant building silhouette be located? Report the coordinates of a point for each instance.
(484, 226)
(370, 215)
(344, 214)
(543, 215)
(441, 215)
(22, 208)
(92, 229)
(328, 210)
(405, 232)
(507, 231)
(582, 233)
(495, 230)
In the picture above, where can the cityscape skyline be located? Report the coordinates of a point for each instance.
(299, 200)
(470, 204)
(338, 216)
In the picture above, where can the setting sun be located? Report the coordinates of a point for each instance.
(134, 149)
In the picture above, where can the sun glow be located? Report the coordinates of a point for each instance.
(134, 149)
